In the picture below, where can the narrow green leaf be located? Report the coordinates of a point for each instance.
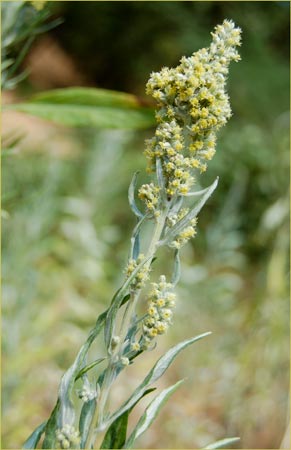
(155, 373)
(89, 367)
(86, 416)
(116, 433)
(151, 413)
(51, 427)
(131, 199)
(87, 96)
(222, 443)
(179, 226)
(89, 107)
(35, 436)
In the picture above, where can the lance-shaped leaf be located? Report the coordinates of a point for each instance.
(155, 373)
(179, 226)
(115, 436)
(222, 443)
(90, 107)
(151, 413)
(35, 436)
(131, 198)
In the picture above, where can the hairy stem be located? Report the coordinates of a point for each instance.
(98, 418)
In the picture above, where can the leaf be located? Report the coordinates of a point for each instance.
(150, 413)
(35, 436)
(116, 434)
(179, 226)
(88, 367)
(86, 416)
(88, 96)
(90, 107)
(222, 443)
(134, 251)
(68, 379)
(177, 269)
(155, 373)
(131, 199)
(51, 427)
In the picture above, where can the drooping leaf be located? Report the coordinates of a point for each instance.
(222, 443)
(116, 433)
(35, 436)
(89, 107)
(131, 198)
(86, 416)
(151, 413)
(181, 224)
(155, 373)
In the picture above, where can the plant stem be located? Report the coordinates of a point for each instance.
(97, 420)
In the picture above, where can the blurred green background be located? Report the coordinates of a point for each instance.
(66, 224)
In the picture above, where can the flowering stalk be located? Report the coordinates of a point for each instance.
(192, 106)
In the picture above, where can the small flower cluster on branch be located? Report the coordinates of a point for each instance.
(161, 301)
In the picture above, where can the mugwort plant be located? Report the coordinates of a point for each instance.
(192, 105)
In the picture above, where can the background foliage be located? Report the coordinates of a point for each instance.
(66, 223)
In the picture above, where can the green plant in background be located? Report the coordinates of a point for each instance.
(192, 107)
(21, 23)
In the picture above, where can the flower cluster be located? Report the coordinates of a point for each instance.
(192, 106)
(149, 193)
(159, 312)
(68, 437)
(86, 394)
(143, 274)
(186, 234)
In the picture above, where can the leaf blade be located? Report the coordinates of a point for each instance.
(155, 373)
(116, 433)
(33, 439)
(178, 227)
(151, 412)
(91, 107)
